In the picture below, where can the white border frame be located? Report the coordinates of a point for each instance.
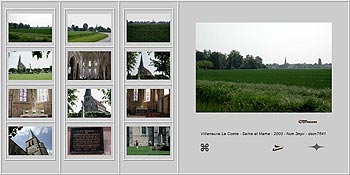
(148, 81)
(17, 119)
(33, 11)
(96, 119)
(29, 49)
(223, 114)
(29, 157)
(108, 11)
(150, 119)
(80, 82)
(81, 157)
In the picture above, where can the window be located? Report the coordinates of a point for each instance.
(143, 130)
(23, 95)
(89, 63)
(43, 95)
(166, 91)
(136, 95)
(147, 95)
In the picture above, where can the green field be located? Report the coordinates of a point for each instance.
(145, 150)
(85, 36)
(264, 90)
(148, 32)
(30, 35)
(41, 76)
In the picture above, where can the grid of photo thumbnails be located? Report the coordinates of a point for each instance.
(89, 83)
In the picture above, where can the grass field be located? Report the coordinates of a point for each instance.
(30, 35)
(145, 150)
(148, 32)
(41, 76)
(265, 90)
(85, 36)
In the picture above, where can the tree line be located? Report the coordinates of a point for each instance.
(207, 59)
(20, 25)
(87, 28)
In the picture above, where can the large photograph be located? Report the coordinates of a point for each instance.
(264, 67)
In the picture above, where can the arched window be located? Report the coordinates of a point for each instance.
(23, 95)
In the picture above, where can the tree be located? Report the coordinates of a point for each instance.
(107, 96)
(319, 61)
(249, 62)
(204, 64)
(13, 130)
(131, 61)
(72, 98)
(162, 63)
(218, 59)
(39, 54)
(234, 60)
(85, 27)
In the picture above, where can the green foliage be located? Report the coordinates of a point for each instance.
(107, 96)
(13, 130)
(30, 35)
(145, 150)
(72, 99)
(131, 61)
(204, 64)
(34, 76)
(220, 96)
(85, 36)
(162, 63)
(137, 32)
(310, 78)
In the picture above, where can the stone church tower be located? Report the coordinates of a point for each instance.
(34, 146)
(20, 65)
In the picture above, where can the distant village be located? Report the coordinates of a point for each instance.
(148, 22)
(286, 65)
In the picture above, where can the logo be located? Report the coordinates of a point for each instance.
(316, 146)
(205, 147)
(277, 147)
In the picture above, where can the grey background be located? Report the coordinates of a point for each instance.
(253, 154)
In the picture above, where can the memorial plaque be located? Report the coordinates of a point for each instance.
(86, 140)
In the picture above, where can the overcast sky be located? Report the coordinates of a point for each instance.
(43, 133)
(26, 59)
(148, 17)
(104, 20)
(299, 42)
(146, 63)
(97, 94)
(34, 20)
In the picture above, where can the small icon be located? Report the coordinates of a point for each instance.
(277, 147)
(316, 146)
(205, 147)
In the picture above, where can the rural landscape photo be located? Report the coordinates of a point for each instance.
(148, 27)
(30, 27)
(30, 103)
(148, 65)
(30, 65)
(89, 65)
(89, 103)
(148, 140)
(263, 67)
(30, 140)
(89, 27)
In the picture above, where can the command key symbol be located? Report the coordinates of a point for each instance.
(205, 147)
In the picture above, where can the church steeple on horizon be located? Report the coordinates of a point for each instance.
(141, 62)
(285, 60)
